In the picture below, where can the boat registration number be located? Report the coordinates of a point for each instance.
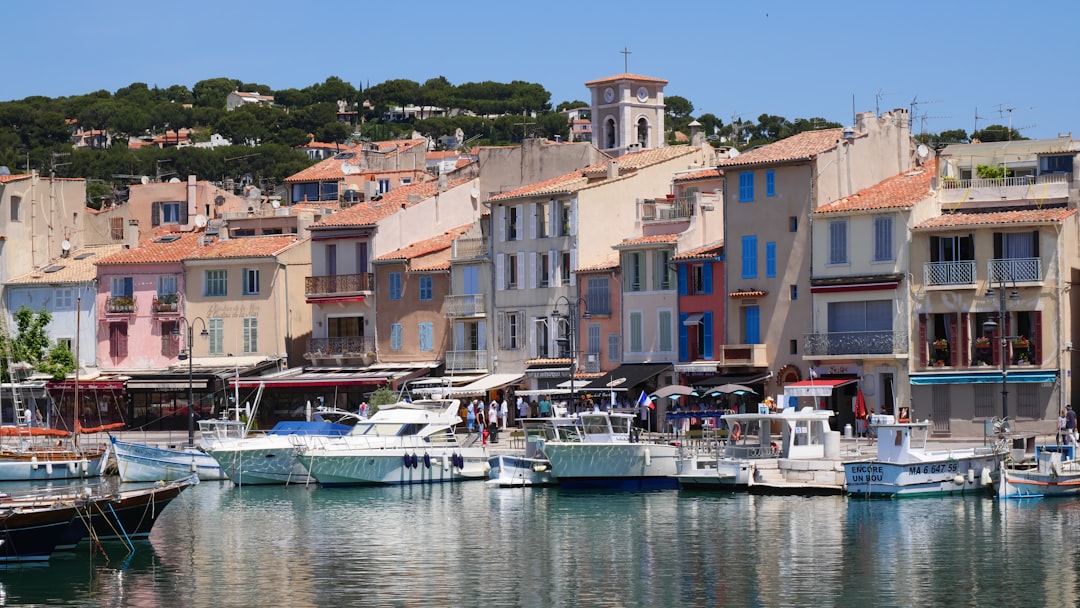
(932, 469)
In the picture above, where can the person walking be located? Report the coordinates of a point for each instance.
(470, 418)
(1070, 425)
(504, 412)
(481, 423)
(545, 407)
(493, 421)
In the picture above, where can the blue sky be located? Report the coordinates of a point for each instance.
(957, 59)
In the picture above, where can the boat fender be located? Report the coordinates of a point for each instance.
(445, 461)
(194, 467)
(48, 468)
(413, 461)
(971, 476)
(985, 477)
(84, 465)
(958, 480)
(427, 460)
(459, 460)
(405, 458)
(648, 457)
(736, 432)
(33, 463)
(73, 466)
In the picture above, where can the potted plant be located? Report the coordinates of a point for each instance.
(941, 344)
(1023, 359)
(982, 342)
(123, 304)
(1021, 342)
(939, 363)
(167, 302)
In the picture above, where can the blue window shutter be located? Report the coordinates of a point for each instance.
(770, 259)
(749, 257)
(682, 279)
(746, 186)
(753, 325)
(770, 183)
(706, 334)
(706, 278)
(684, 337)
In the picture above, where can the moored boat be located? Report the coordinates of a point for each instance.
(138, 462)
(531, 468)
(31, 533)
(1056, 473)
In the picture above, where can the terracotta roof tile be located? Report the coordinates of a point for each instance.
(748, 293)
(638, 160)
(73, 269)
(1017, 217)
(624, 76)
(652, 239)
(426, 246)
(153, 251)
(369, 212)
(898, 192)
(802, 146)
(600, 267)
(246, 247)
(710, 173)
(10, 178)
(708, 251)
(331, 168)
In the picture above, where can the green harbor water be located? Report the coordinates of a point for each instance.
(471, 545)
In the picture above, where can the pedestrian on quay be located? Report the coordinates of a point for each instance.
(504, 412)
(481, 423)
(1061, 428)
(493, 421)
(522, 408)
(470, 418)
(1070, 425)
(545, 407)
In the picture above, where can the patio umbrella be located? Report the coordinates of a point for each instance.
(735, 388)
(860, 405)
(674, 389)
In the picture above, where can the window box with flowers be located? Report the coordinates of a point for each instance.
(941, 344)
(1021, 342)
(982, 342)
(939, 363)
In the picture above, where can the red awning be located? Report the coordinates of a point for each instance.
(334, 299)
(815, 388)
(309, 382)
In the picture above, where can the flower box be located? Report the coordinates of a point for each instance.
(941, 343)
(982, 343)
(1021, 342)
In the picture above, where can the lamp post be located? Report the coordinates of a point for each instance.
(190, 325)
(571, 330)
(989, 327)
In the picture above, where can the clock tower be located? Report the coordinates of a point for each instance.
(627, 113)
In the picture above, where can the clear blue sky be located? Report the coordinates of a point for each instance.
(796, 59)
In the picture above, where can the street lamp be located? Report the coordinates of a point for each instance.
(191, 386)
(571, 318)
(989, 327)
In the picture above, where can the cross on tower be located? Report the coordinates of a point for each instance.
(625, 60)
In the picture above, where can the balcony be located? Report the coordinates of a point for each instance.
(590, 364)
(461, 360)
(1023, 188)
(120, 305)
(341, 347)
(469, 248)
(855, 344)
(949, 273)
(750, 355)
(667, 209)
(469, 305)
(1016, 270)
(166, 304)
(339, 284)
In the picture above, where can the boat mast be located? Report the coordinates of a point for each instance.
(75, 410)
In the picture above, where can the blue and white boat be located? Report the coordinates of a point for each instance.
(533, 468)
(137, 462)
(606, 453)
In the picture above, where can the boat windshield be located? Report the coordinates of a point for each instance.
(387, 429)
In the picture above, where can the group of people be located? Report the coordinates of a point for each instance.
(1067, 434)
(489, 422)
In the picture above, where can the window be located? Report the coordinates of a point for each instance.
(216, 340)
(394, 278)
(793, 223)
(794, 290)
(635, 332)
(695, 279)
(883, 246)
(770, 183)
(215, 282)
(593, 339)
(770, 259)
(633, 271)
(425, 288)
(384, 185)
(861, 327)
(512, 271)
(395, 336)
(564, 268)
(251, 281)
(543, 266)
(838, 242)
(662, 272)
(564, 218)
(664, 318)
(614, 354)
(512, 336)
(170, 213)
(470, 280)
(63, 298)
(166, 285)
(118, 340)
(116, 228)
(751, 324)
(543, 220)
(512, 233)
(793, 347)
(598, 296)
(251, 335)
(426, 336)
(746, 186)
(67, 343)
(749, 257)
(344, 327)
(16, 208)
(122, 287)
(540, 337)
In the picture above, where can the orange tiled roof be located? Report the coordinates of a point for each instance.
(369, 212)
(1017, 217)
(802, 146)
(748, 293)
(10, 178)
(710, 173)
(152, 251)
(246, 247)
(426, 246)
(619, 77)
(652, 239)
(708, 251)
(639, 160)
(600, 267)
(898, 192)
(73, 269)
(551, 361)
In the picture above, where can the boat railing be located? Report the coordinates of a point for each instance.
(361, 442)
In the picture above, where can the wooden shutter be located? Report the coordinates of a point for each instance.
(964, 346)
(954, 358)
(1036, 338)
(155, 214)
(924, 346)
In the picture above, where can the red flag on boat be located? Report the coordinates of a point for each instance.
(860, 405)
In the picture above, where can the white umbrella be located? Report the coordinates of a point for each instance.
(735, 388)
(674, 389)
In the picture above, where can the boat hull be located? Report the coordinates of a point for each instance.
(387, 466)
(955, 475)
(32, 535)
(715, 474)
(512, 471)
(126, 515)
(621, 466)
(138, 462)
(269, 460)
(52, 466)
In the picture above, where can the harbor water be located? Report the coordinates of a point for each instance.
(471, 545)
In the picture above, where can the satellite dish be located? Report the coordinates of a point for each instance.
(65, 245)
(144, 180)
(922, 151)
(175, 180)
(474, 193)
(275, 203)
(200, 220)
(219, 201)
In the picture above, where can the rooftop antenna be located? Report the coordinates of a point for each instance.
(915, 103)
(625, 60)
(877, 102)
(977, 119)
(1002, 108)
(523, 124)
(922, 121)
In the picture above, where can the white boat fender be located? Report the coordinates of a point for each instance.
(427, 460)
(73, 466)
(34, 463)
(985, 477)
(648, 457)
(48, 468)
(445, 461)
(84, 465)
(194, 467)
(958, 480)
(971, 476)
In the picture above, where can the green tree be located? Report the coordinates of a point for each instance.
(58, 362)
(30, 341)
(212, 93)
(382, 396)
(996, 133)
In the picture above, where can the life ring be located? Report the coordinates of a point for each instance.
(736, 432)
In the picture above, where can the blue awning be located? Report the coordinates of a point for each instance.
(1019, 377)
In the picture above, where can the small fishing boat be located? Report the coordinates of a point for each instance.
(904, 467)
(532, 468)
(31, 533)
(139, 462)
(32, 454)
(1056, 473)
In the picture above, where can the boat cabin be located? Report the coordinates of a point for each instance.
(804, 434)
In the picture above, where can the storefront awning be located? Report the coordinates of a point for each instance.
(697, 367)
(482, 386)
(746, 379)
(815, 388)
(87, 385)
(1018, 377)
(693, 319)
(166, 385)
(627, 376)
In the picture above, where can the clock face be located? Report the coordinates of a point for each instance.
(609, 95)
(642, 93)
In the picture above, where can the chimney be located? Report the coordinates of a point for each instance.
(223, 233)
(132, 240)
(612, 169)
(192, 200)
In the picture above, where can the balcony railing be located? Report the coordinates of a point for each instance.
(339, 283)
(590, 363)
(469, 305)
(1024, 187)
(348, 346)
(1014, 269)
(466, 248)
(856, 343)
(460, 360)
(168, 304)
(949, 273)
(666, 209)
(120, 305)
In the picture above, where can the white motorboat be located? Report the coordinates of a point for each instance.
(533, 468)
(271, 457)
(402, 443)
(144, 462)
(604, 451)
(803, 459)
(904, 467)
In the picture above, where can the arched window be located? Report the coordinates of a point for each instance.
(609, 133)
(643, 132)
